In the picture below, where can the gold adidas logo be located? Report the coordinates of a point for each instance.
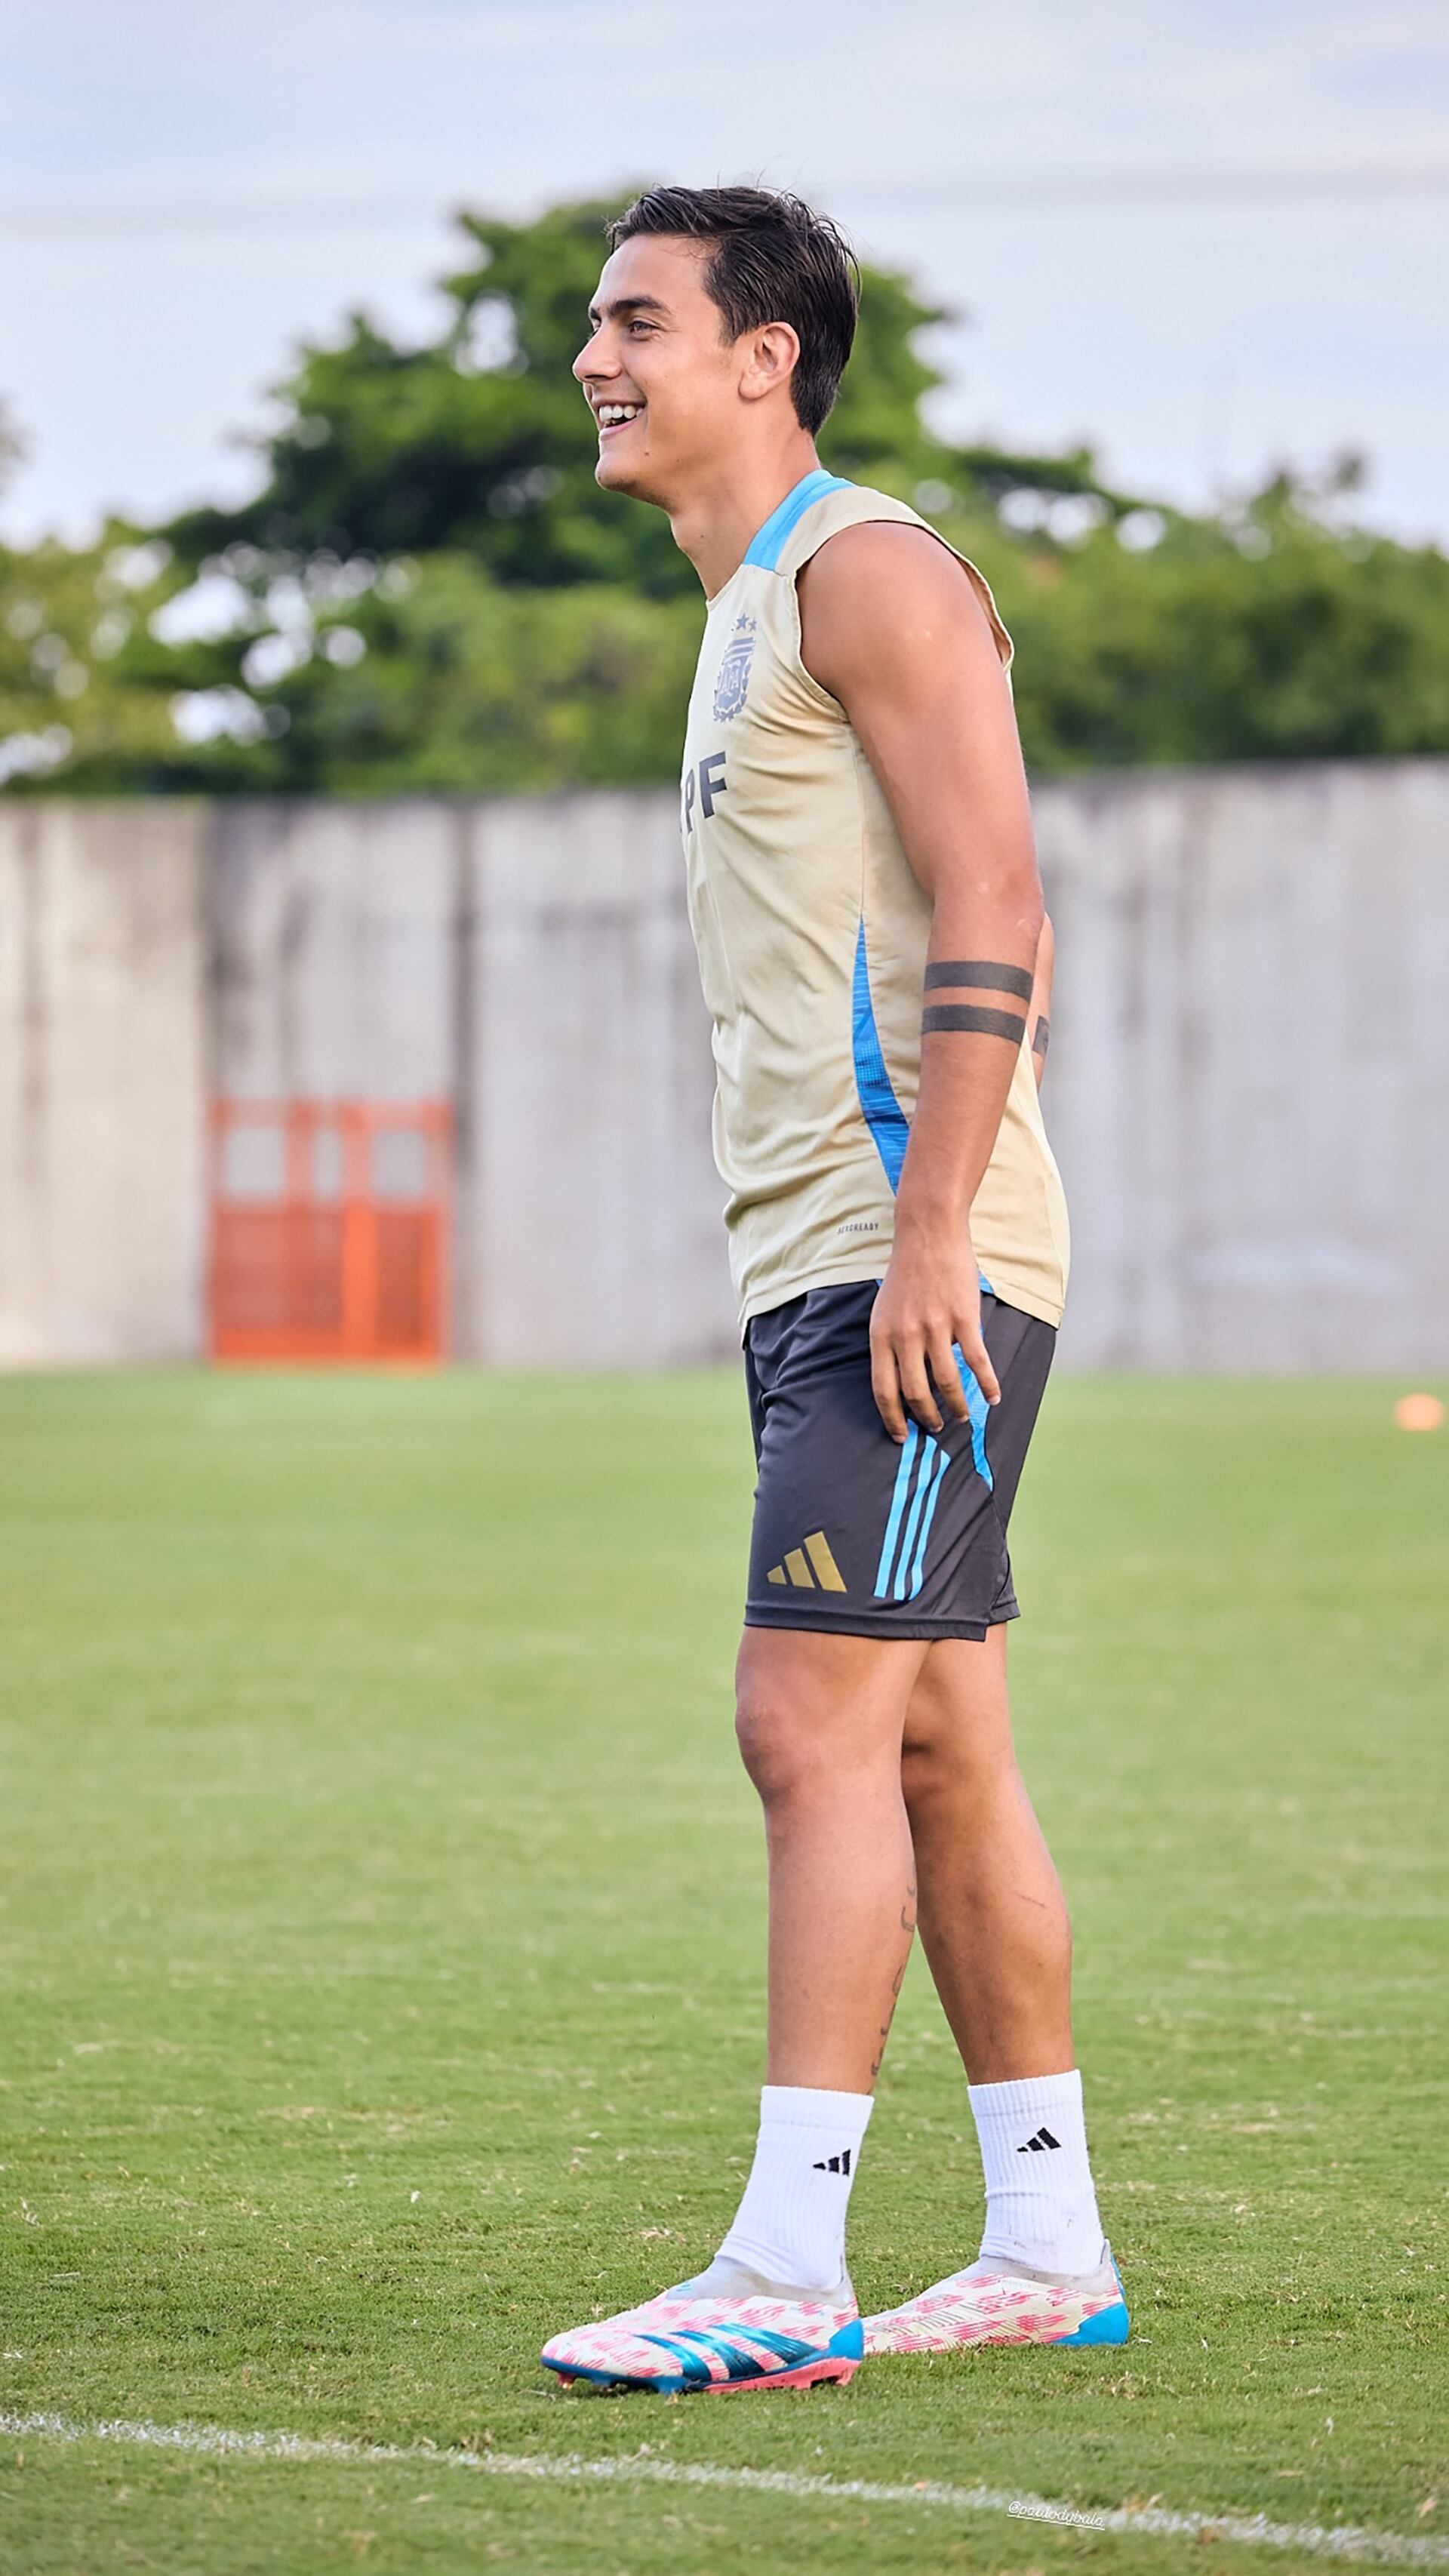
(826, 1577)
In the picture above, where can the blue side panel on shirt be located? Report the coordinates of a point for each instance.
(767, 544)
(882, 1111)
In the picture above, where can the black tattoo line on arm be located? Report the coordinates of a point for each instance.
(981, 973)
(1041, 1037)
(967, 1016)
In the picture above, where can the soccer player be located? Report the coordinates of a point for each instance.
(865, 900)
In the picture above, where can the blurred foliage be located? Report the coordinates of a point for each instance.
(429, 592)
(1275, 633)
(433, 676)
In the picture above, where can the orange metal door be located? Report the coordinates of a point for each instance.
(329, 1230)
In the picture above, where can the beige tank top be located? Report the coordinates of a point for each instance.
(812, 933)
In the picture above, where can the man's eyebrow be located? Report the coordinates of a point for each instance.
(624, 304)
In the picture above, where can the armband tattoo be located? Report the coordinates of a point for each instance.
(981, 973)
(966, 1016)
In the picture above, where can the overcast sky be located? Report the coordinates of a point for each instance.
(1205, 234)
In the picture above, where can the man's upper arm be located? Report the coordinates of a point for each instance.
(892, 627)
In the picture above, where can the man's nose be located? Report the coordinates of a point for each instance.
(590, 361)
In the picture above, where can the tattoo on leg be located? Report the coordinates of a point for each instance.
(908, 1925)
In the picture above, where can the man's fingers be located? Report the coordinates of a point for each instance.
(947, 1378)
(918, 1369)
(886, 1388)
(916, 1386)
(978, 1359)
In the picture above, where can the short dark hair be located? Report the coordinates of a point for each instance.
(771, 258)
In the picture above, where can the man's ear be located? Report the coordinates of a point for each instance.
(771, 356)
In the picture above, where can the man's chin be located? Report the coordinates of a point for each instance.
(619, 474)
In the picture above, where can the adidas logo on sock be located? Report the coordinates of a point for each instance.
(841, 2164)
(1037, 2146)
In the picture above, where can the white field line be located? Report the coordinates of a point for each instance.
(208, 2441)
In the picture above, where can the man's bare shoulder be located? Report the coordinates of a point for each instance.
(885, 589)
(883, 562)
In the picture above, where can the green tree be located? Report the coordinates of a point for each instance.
(1276, 632)
(430, 592)
(73, 711)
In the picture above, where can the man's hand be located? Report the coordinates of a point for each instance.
(929, 1299)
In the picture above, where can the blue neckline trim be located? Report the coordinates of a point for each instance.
(767, 543)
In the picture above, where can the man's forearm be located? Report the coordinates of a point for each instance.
(964, 1083)
(927, 1316)
(973, 1020)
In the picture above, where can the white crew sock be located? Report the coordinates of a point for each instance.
(790, 2224)
(1041, 2207)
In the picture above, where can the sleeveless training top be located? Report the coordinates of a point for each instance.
(812, 933)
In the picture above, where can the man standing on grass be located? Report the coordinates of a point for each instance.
(864, 894)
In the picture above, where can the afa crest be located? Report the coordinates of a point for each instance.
(733, 679)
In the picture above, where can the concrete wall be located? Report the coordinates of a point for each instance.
(1249, 1083)
(330, 942)
(532, 961)
(102, 1081)
(1249, 1086)
(594, 1224)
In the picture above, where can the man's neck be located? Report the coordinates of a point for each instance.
(715, 525)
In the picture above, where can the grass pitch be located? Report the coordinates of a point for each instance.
(383, 1950)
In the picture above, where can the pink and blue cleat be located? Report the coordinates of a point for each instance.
(996, 2301)
(726, 2329)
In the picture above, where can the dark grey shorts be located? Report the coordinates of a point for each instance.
(853, 1534)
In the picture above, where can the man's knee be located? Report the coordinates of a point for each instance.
(953, 1754)
(779, 1735)
(931, 1769)
(812, 1709)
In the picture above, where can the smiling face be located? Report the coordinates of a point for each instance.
(662, 376)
